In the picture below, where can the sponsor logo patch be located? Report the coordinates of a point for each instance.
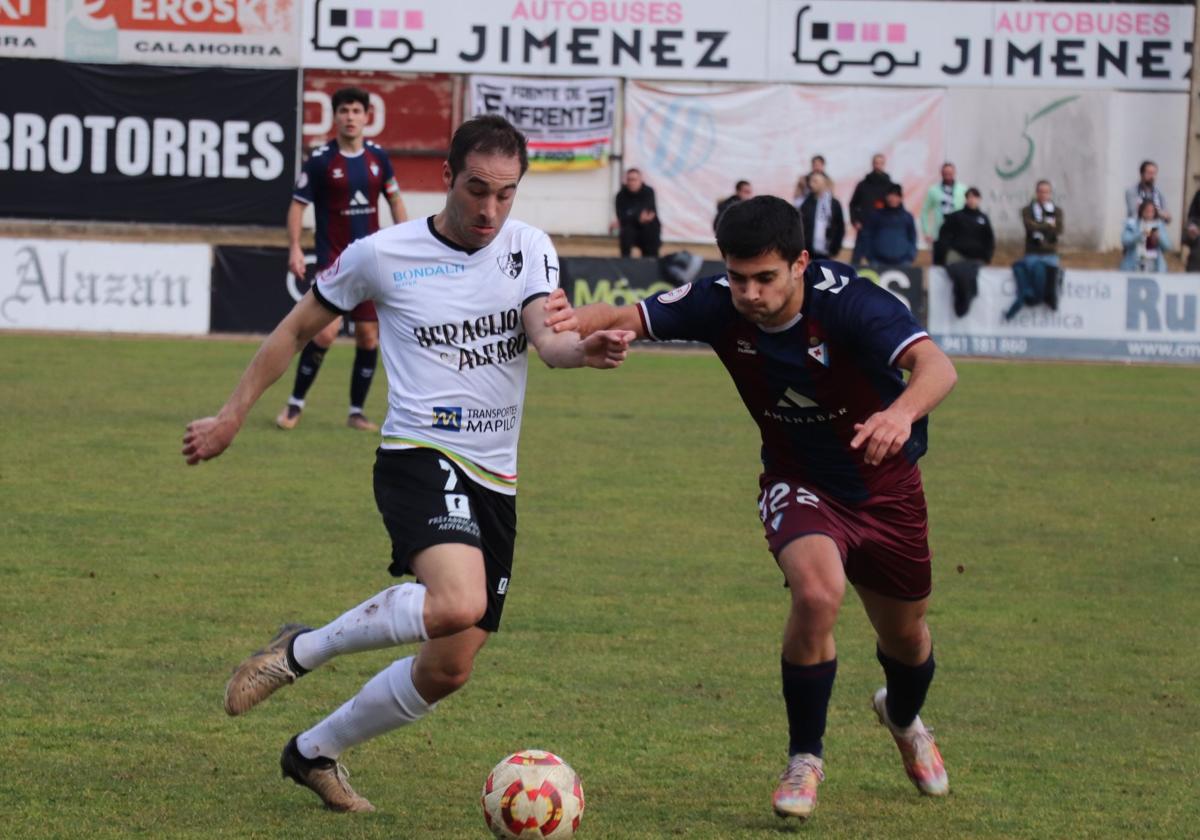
(448, 417)
(675, 294)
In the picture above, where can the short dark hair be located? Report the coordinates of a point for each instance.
(1145, 163)
(1043, 181)
(741, 184)
(488, 134)
(633, 169)
(759, 226)
(350, 95)
(1142, 208)
(816, 158)
(971, 191)
(895, 189)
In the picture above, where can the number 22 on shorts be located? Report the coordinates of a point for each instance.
(778, 496)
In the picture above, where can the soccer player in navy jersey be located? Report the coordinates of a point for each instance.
(342, 180)
(816, 353)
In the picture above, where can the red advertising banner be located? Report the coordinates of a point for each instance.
(412, 118)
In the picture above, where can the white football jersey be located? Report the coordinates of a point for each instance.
(454, 346)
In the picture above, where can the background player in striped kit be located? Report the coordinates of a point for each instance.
(342, 180)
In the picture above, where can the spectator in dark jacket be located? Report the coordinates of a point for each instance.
(741, 191)
(1037, 274)
(868, 197)
(821, 215)
(965, 243)
(637, 217)
(889, 236)
(1191, 234)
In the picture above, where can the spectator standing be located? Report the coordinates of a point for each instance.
(822, 218)
(1037, 273)
(637, 216)
(943, 198)
(1146, 190)
(741, 191)
(889, 236)
(868, 197)
(1191, 234)
(965, 243)
(803, 187)
(1145, 241)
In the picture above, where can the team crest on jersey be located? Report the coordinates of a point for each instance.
(374, 168)
(820, 353)
(511, 264)
(675, 294)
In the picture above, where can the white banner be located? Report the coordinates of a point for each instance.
(569, 123)
(29, 29)
(646, 39)
(61, 284)
(977, 44)
(1101, 315)
(693, 143)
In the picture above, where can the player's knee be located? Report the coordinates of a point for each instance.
(447, 616)
(908, 641)
(816, 606)
(366, 342)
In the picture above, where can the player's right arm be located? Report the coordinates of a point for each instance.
(599, 316)
(210, 436)
(295, 221)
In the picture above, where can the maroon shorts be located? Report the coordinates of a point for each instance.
(365, 311)
(884, 545)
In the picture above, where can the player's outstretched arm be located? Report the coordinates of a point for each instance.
(598, 316)
(602, 349)
(208, 437)
(885, 432)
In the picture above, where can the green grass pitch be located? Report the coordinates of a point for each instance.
(641, 636)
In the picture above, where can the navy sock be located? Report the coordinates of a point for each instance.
(907, 686)
(306, 372)
(360, 377)
(806, 690)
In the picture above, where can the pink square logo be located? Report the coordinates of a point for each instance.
(897, 33)
(414, 19)
(870, 31)
(845, 31)
(389, 19)
(362, 18)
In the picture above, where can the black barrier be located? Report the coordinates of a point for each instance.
(905, 282)
(619, 280)
(148, 144)
(252, 288)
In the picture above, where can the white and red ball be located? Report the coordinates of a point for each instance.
(531, 795)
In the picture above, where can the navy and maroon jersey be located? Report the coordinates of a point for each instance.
(344, 191)
(808, 382)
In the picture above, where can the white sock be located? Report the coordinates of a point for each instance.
(296, 402)
(393, 617)
(388, 700)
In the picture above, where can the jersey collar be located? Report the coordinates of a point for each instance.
(450, 243)
(793, 321)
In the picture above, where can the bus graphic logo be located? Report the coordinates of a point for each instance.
(353, 27)
(862, 43)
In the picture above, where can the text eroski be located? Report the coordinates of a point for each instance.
(583, 46)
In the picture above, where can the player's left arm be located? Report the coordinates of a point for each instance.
(885, 432)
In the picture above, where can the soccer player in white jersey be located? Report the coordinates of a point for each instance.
(460, 295)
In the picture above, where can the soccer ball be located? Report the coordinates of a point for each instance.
(532, 794)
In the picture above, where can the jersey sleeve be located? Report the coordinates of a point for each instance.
(541, 276)
(303, 190)
(350, 280)
(691, 312)
(390, 187)
(877, 321)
